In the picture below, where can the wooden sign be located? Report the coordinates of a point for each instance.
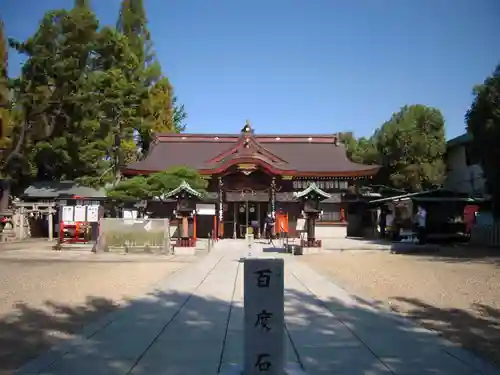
(80, 213)
(93, 214)
(68, 214)
(301, 225)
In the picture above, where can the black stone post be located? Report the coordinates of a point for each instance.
(311, 228)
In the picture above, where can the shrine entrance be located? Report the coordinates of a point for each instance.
(249, 214)
(245, 209)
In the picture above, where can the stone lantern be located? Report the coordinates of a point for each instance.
(186, 198)
(310, 199)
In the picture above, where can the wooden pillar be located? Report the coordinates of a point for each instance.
(342, 215)
(185, 226)
(194, 226)
(51, 225)
(61, 231)
(311, 224)
(258, 220)
(21, 223)
(221, 229)
(214, 230)
(221, 207)
(235, 219)
(273, 197)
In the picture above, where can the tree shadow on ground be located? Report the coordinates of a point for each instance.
(371, 244)
(28, 331)
(478, 331)
(174, 333)
(449, 251)
(462, 254)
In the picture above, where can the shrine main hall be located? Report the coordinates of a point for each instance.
(250, 175)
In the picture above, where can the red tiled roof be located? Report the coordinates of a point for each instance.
(296, 154)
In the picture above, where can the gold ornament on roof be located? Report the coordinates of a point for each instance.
(247, 128)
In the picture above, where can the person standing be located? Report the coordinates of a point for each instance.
(389, 221)
(269, 227)
(382, 222)
(421, 222)
(255, 228)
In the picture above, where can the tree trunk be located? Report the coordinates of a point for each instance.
(20, 141)
(6, 184)
(5, 193)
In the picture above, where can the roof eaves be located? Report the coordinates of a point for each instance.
(459, 141)
(312, 188)
(405, 196)
(184, 186)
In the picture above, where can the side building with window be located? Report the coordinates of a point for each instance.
(463, 170)
(252, 175)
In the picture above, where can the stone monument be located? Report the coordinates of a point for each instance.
(264, 331)
(264, 322)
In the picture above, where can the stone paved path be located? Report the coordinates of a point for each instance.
(192, 325)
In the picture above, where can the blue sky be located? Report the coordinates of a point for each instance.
(318, 66)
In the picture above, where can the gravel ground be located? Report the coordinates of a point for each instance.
(46, 296)
(450, 293)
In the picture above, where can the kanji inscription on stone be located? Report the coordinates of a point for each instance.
(263, 278)
(264, 335)
(263, 363)
(263, 319)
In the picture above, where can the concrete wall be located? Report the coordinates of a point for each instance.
(459, 176)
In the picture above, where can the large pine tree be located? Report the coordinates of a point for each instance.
(49, 93)
(410, 146)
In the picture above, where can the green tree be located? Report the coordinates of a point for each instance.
(163, 116)
(4, 93)
(5, 100)
(133, 23)
(4, 60)
(83, 96)
(49, 93)
(483, 122)
(157, 184)
(5, 123)
(82, 4)
(180, 115)
(411, 147)
(362, 150)
(80, 99)
(161, 113)
(116, 98)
